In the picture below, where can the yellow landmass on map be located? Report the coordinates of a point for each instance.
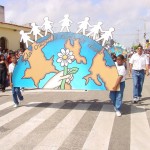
(76, 48)
(108, 74)
(26, 55)
(68, 86)
(39, 66)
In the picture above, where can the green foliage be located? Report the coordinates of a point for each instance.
(136, 46)
(73, 70)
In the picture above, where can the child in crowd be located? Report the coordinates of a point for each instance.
(113, 56)
(116, 96)
(15, 90)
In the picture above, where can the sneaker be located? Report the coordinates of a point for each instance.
(118, 113)
(135, 100)
(16, 105)
(139, 98)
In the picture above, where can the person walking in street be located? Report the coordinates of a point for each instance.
(139, 67)
(15, 90)
(117, 96)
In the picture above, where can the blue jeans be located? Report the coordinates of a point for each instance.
(138, 80)
(117, 96)
(16, 94)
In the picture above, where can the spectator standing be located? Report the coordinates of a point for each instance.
(9, 57)
(3, 72)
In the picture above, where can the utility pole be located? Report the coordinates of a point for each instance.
(145, 30)
(138, 36)
(144, 43)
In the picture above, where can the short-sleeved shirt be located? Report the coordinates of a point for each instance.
(139, 61)
(121, 71)
(11, 67)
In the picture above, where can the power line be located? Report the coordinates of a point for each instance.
(131, 34)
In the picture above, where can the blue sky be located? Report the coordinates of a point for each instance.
(126, 16)
(3, 2)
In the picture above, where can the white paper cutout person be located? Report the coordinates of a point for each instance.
(65, 23)
(96, 30)
(47, 26)
(25, 38)
(36, 31)
(84, 25)
(106, 36)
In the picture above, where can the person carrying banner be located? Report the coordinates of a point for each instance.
(117, 96)
(15, 90)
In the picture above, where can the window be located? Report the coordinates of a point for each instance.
(3, 43)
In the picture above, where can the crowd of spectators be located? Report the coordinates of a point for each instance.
(5, 60)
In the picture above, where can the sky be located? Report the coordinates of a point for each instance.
(130, 18)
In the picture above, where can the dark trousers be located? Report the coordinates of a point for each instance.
(3, 76)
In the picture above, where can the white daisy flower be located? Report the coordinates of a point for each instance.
(65, 57)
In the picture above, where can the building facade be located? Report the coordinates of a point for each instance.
(10, 37)
(9, 33)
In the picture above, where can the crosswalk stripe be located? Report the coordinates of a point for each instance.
(38, 134)
(5, 105)
(24, 129)
(57, 136)
(140, 130)
(79, 135)
(99, 136)
(121, 131)
(16, 113)
(148, 113)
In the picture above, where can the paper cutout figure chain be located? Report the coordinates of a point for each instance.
(96, 32)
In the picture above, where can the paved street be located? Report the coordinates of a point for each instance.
(74, 120)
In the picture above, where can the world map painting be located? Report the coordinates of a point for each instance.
(65, 61)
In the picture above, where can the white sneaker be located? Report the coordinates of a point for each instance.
(135, 100)
(118, 113)
(139, 98)
(22, 89)
(15, 106)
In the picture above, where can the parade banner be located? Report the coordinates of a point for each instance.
(117, 49)
(65, 60)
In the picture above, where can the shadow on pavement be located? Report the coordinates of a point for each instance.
(4, 95)
(95, 105)
(145, 98)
